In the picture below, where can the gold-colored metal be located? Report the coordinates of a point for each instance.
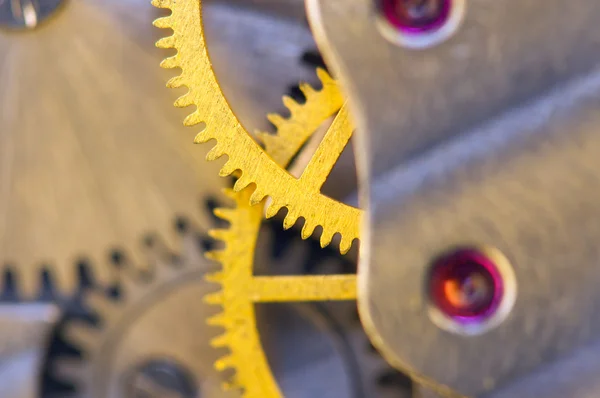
(240, 289)
(265, 169)
(301, 196)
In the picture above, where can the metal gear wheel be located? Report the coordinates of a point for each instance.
(301, 196)
(154, 340)
(241, 289)
(87, 164)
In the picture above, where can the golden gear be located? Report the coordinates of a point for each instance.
(240, 289)
(301, 196)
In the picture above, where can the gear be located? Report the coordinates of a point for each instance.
(152, 339)
(155, 339)
(87, 164)
(241, 289)
(301, 196)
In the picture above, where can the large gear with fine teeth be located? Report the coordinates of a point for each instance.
(301, 196)
(240, 286)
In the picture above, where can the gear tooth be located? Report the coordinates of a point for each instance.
(230, 193)
(241, 183)
(276, 119)
(220, 234)
(224, 213)
(220, 341)
(228, 169)
(166, 42)
(217, 320)
(307, 90)
(273, 209)
(262, 137)
(269, 140)
(101, 304)
(289, 220)
(224, 363)
(307, 229)
(325, 77)
(175, 82)
(214, 298)
(202, 137)
(345, 245)
(232, 385)
(193, 119)
(215, 153)
(163, 22)
(326, 238)
(215, 277)
(292, 105)
(27, 283)
(170, 62)
(81, 334)
(184, 101)
(215, 255)
(257, 196)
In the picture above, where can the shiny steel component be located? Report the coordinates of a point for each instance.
(24, 335)
(26, 14)
(301, 196)
(445, 160)
(91, 156)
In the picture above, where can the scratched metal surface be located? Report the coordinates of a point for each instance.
(444, 159)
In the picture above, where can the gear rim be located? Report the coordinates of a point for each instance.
(240, 289)
(301, 197)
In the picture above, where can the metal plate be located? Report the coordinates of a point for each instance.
(443, 162)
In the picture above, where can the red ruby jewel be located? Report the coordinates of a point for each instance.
(416, 16)
(466, 286)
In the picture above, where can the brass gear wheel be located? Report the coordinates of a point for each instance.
(240, 289)
(301, 196)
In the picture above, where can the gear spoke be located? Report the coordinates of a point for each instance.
(245, 156)
(329, 150)
(302, 288)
